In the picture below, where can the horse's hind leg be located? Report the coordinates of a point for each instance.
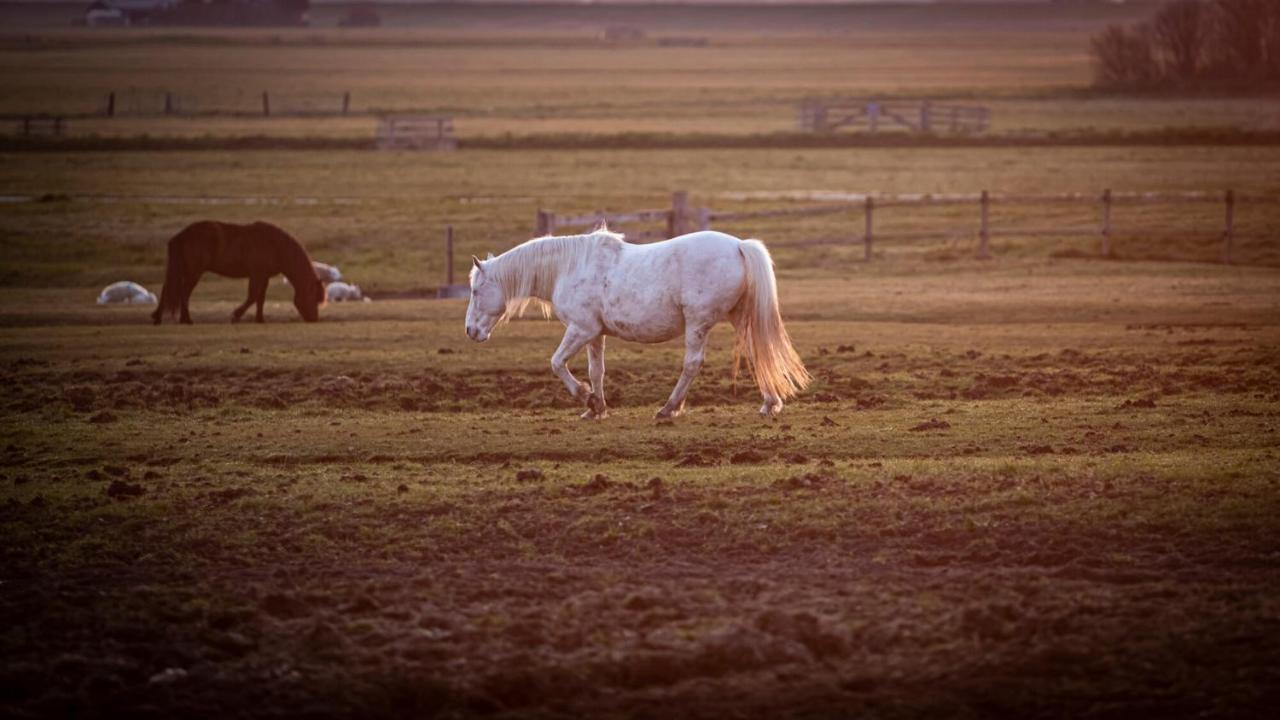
(159, 312)
(695, 345)
(772, 404)
(187, 289)
(596, 409)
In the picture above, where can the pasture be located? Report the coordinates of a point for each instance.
(1068, 508)
(1045, 484)
(533, 72)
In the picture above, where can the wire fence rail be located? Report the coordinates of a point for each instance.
(681, 217)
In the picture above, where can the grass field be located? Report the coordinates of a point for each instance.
(381, 216)
(1040, 485)
(503, 71)
(1031, 489)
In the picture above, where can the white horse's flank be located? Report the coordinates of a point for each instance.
(598, 284)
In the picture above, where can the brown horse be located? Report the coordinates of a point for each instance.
(259, 252)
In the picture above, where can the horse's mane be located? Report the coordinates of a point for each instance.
(527, 272)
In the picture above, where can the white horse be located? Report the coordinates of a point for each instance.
(598, 284)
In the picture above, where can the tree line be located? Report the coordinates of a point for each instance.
(1193, 45)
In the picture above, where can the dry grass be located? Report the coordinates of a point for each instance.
(1040, 485)
(331, 518)
(380, 216)
(567, 81)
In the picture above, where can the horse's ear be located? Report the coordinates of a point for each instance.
(475, 261)
(490, 257)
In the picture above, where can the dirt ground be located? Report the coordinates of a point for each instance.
(1052, 513)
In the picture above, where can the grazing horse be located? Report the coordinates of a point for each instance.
(598, 284)
(258, 252)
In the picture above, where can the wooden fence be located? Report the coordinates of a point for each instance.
(681, 218)
(675, 220)
(416, 132)
(824, 116)
(48, 125)
(264, 104)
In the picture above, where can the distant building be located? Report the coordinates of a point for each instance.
(361, 15)
(623, 33)
(103, 14)
(198, 13)
(116, 13)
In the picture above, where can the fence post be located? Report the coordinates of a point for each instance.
(111, 104)
(866, 237)
(266, 104)
(984, 234)
(546, 223)
(168, 103)
(678, 221)
(1229, 231)
(704, 218)
(1106, 223)
(346, 102)
(448, 254)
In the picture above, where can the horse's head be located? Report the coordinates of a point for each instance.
(488, 302)
(308, 297)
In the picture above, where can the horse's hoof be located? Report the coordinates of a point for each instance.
(770, 410)
(593, 415)
(595, 405)
(667, 414)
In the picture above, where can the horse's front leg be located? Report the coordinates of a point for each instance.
(695, 345)
(596, 409)
(257, 287)
(576, 337)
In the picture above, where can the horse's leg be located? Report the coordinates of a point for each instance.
(575, 338)
(695, 345)
(257, 293)
(187, 289)
(244, 306)
(772, 404)
(159, 313)
(596, 409)
(261, 299)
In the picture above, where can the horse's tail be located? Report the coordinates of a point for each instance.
(172, 293)
(762, 338)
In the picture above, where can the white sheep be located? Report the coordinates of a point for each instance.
(324, 272)
(126, 292)
(342, 292)
(327, 273)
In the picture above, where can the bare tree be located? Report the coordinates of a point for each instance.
(1179, 30)
(1124, 58)
(1271, 42)
(1239, 38)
